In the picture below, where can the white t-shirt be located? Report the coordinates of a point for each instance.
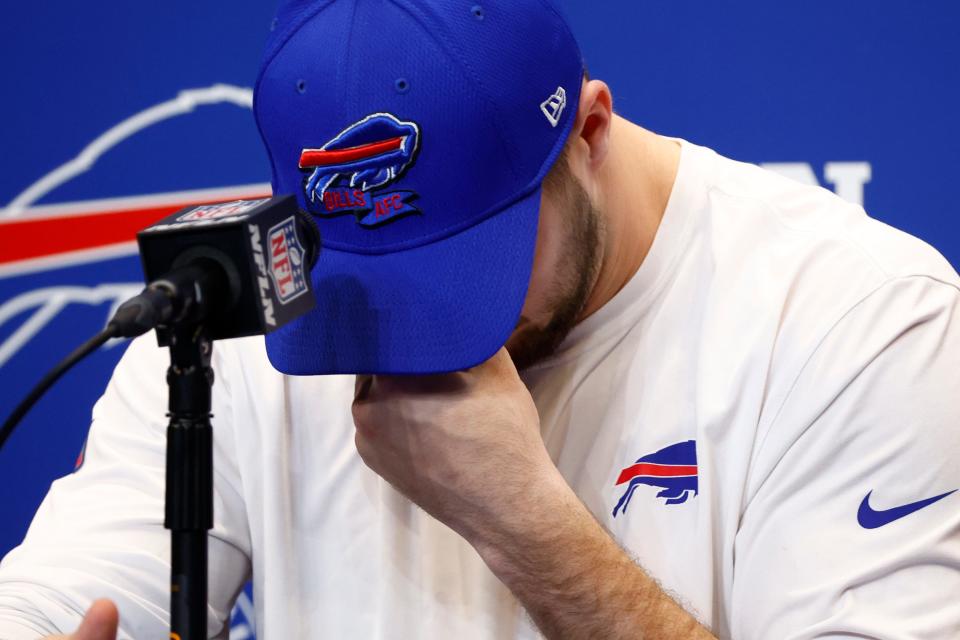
(778, 358)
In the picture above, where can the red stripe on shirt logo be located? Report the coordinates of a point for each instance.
(656, 471)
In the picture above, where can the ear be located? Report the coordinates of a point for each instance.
(591, 131)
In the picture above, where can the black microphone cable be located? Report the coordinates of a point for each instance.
(51, 378)
(171, 298)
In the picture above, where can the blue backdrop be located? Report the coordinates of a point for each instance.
(115, 112)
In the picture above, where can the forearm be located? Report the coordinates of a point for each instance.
(572, 577)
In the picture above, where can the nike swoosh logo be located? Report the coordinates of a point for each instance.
(870, 518)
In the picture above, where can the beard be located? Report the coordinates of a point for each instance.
(581, 256)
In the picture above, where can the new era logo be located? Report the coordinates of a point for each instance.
(554, 106)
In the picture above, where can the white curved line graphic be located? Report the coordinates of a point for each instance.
(185, 102)
(48, 302)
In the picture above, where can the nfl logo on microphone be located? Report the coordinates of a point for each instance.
(286, 261)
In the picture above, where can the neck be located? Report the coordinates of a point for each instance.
(633, 189)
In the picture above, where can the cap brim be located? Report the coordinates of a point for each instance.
(445, 306)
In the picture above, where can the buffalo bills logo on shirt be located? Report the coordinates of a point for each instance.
(347, 175)
(287, 257)
(673, 469)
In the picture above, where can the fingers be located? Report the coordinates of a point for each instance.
(100, 623)
(499, 366)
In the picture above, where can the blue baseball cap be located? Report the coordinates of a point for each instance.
(418, 134)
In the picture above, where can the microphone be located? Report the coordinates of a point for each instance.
(240, 268)
(236, 269)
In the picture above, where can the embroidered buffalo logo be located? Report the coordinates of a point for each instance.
(347, 174)
(672, 469)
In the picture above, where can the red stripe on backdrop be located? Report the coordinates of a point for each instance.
(36, 238)
(29, 238)
(656, 470)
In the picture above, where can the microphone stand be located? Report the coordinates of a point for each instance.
(213, 272)
(189, 482)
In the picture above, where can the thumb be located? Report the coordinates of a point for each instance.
(100, 623)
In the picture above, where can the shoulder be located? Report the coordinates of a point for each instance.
(794, 261)
(881, 384)
(826, 295)
(800, 220)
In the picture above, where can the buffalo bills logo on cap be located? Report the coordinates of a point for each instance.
(348, 173)
(673, 469)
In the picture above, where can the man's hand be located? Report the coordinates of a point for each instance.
(100, 623)
(467, 448)
(464, 446)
